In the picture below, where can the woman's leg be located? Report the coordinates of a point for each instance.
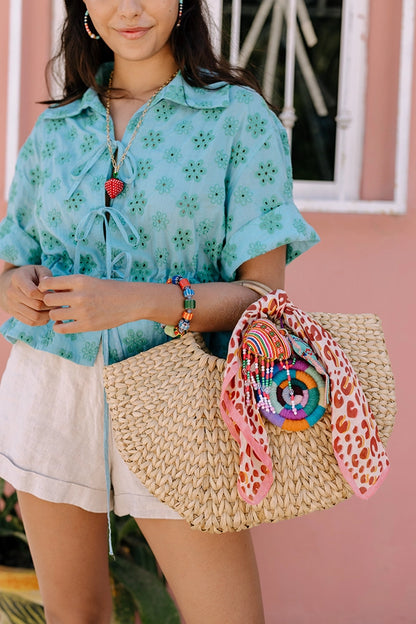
(214, 578)
(70, 553)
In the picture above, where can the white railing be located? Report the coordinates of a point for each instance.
(297, 18)
(215, 10)
(58, 16)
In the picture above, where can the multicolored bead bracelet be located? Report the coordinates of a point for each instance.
(189, 305)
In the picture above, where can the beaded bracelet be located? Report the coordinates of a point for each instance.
(189, 305)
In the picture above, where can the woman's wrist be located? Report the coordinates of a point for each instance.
(189, 305)
(151, 301)
(219, 305)
(4, 284)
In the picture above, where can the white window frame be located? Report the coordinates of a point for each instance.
(13, 90)
(343, 194)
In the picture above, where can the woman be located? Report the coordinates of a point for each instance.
(157, 161)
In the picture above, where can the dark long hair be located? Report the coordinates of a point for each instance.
(191, 46)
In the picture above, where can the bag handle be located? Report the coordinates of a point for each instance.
(258, 287)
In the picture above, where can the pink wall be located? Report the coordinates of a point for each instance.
(4, 42)
(353, 564)
(383, 80)
(35, 49)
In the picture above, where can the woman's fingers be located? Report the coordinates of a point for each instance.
(29, 316)
(41, 272)
(34, 302)
(26, 280)
(61, 314)
(81, 303)
(65, 283)
(23, 286)
(20, 296)
(58, 299)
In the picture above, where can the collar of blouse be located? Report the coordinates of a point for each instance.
(177, 91)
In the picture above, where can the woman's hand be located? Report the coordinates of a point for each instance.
(80, 303)
(20, 296)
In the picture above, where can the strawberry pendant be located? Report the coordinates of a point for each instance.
(114, 186)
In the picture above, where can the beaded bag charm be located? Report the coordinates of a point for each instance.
(281, 372)
(263, 343)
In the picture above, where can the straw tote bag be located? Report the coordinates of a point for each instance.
(164, 407)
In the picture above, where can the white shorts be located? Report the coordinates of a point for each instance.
(51, 437)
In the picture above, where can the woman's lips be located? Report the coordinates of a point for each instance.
(132, 33)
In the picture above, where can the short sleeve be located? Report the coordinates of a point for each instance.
(18, 238)
(260, 212)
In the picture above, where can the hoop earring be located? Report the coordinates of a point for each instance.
(180, 11)
(88, 29)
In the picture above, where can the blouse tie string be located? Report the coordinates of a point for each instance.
(129, 167)
(84, 168)
(103, 215)
(362, 459)
(124, 226)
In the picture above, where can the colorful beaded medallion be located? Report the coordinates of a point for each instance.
(281, 372)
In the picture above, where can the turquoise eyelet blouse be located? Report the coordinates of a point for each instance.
(208, 185)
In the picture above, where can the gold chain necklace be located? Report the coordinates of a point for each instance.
(114, 185)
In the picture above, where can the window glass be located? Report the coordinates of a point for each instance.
(316, 75)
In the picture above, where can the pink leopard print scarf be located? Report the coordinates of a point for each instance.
(357, 446)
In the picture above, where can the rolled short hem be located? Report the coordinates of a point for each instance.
(52, 490)
(131, 505)
(95, 501)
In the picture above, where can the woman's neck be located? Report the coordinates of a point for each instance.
(140, 79)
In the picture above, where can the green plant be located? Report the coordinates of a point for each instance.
(20, 610)
(14, 549)
(139, 586)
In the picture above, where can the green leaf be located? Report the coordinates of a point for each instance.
(143, 556)
(126, 526)
(10, 533)
(20, 610)
(10, 504)
(119, 526)
(149, 593)
(130, 543)
(124, 607)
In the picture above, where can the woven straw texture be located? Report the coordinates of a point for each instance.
(168, 428)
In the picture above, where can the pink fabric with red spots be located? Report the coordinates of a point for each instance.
(355, 439)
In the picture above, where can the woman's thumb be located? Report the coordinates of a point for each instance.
(42, 271)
